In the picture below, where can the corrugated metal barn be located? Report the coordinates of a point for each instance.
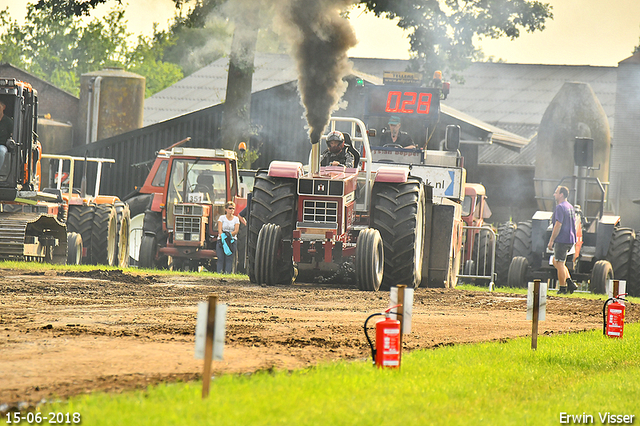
(499, 105)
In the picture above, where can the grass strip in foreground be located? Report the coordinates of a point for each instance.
(489, 383)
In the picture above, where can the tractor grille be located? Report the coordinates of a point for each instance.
(333, 188)
(188, 224)
(320, 211)
(188, 209)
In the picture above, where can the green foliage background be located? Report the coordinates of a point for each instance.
(59, 48)
(58, 43)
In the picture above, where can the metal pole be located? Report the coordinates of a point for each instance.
(536, 308)
(208, 348)
(401, 288)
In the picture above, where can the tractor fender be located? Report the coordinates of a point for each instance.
(156, 203)
(285, 169)
(392, 174)
(604, 232)
(106, 199)
(540, 224)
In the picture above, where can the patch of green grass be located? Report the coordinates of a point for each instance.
(471, 287)
(35, 266)
(488, 383)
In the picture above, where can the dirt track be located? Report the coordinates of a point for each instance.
(64, 334)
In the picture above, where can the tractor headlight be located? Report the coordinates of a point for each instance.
(180, 236)
(195, 237)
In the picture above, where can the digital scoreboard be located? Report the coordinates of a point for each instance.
(402, 100)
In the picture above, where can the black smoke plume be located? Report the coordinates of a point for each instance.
(320, 38)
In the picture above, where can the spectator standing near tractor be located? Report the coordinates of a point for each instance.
(228, 228)
(563, 237)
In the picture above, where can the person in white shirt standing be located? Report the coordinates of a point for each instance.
(228, 228)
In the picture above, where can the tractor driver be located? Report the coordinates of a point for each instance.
(336, 154)
(6, 130)
(395, 136)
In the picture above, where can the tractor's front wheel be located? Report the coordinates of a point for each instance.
(601, 273)
(148, 248)
(369, 260)
(123, 218)
(518, 272)
(137, 207)
(74, 248)
(152, 227)
(270, 259)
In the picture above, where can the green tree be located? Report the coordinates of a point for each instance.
(59, 48)
(146, 60)
(443, 33)
(193, 48)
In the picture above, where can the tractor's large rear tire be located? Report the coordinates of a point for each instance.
(80, 220)
(273, 201)
(522, 241)
(270, 259)
(504, 251)
(633, 282)
(398, 211)
(74, 248)
(601, 273)
(518, 272)
(123, 218)
(619, 254)
(104, 235)
(369, 262)
(241, 249)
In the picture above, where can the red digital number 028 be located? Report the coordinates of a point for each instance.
(405, 103)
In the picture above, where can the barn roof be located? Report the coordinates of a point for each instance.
(505, 101)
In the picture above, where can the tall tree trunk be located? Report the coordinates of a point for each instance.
(236, 122)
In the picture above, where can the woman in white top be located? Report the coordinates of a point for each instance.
(228, 227)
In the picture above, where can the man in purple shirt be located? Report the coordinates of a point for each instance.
(564, 237)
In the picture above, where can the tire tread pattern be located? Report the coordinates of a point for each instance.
(504, 251)
(104, 235)
(522, 245)
(394, 210)
(619, 253)
(367, 259)
(80, 220)
(273, 201)
(633, 282)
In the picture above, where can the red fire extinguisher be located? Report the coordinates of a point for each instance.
(386, 352)
(613, 316)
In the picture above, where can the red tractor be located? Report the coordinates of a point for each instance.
(372, 222)
(179, 206)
